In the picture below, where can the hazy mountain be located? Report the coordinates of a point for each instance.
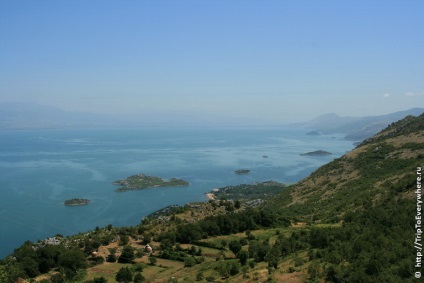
(357, 128)
(35, 116)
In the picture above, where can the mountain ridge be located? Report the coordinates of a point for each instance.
(397, 150)
(22, 116)
(357, 128)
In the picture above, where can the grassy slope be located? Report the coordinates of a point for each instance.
(381, 166)
(164, 270)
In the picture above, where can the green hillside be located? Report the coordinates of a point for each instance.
(380, 168)
(352, 220)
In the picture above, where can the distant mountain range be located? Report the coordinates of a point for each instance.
(356, 128)
(36, 116)
(20, 116)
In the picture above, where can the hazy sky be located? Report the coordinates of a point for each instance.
(277, 61)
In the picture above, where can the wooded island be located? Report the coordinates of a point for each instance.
(142, 181)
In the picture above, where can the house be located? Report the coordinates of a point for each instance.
(148, 249)
(52, 241)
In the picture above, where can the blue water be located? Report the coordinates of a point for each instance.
(40, 169)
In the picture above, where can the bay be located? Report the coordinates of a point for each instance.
(40, 169)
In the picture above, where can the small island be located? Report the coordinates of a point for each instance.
(142, 181)
(316, 153)
(313, 133)
(76, 201)
(242, 171)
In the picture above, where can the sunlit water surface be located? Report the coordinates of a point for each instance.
(40, 169)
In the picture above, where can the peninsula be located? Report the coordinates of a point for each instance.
(142, 181)
(316, 153)
(76, 201)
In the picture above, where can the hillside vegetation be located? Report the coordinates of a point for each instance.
(352, 220)
(381, 168)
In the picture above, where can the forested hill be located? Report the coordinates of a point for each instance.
(371, 192)
(381, 168)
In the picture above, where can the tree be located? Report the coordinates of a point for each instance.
(111, 258)
(152, 260)
(3, 273)
(187, 233)
(199, 276)
(98, 280)
(127, 255)
(235, 268)
(224, 243)
(243, 241)
(235, 247)
(273, 257)
(189, 261)
(57, 278)
(192, 250)
(48, 257)
(138, 267)
(313, 270)
(166, 245)
(72, 261)
(124, 275)
(262, 251)
(243, 256)
(138, 278)
(258, 250)
(333, 274)
(123, 240)
(91, 245)
(223, 269)
(11, 272)
(245, 269)
(210, 279)
(249, 235)
(30, 266)
(26, 250)
(199, 252)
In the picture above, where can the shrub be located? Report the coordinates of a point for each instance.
(189, 262)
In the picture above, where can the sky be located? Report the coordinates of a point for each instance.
(275, 61)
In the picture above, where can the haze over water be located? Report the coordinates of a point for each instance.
(40, 169)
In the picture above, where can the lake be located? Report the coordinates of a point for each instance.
(40, 169)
